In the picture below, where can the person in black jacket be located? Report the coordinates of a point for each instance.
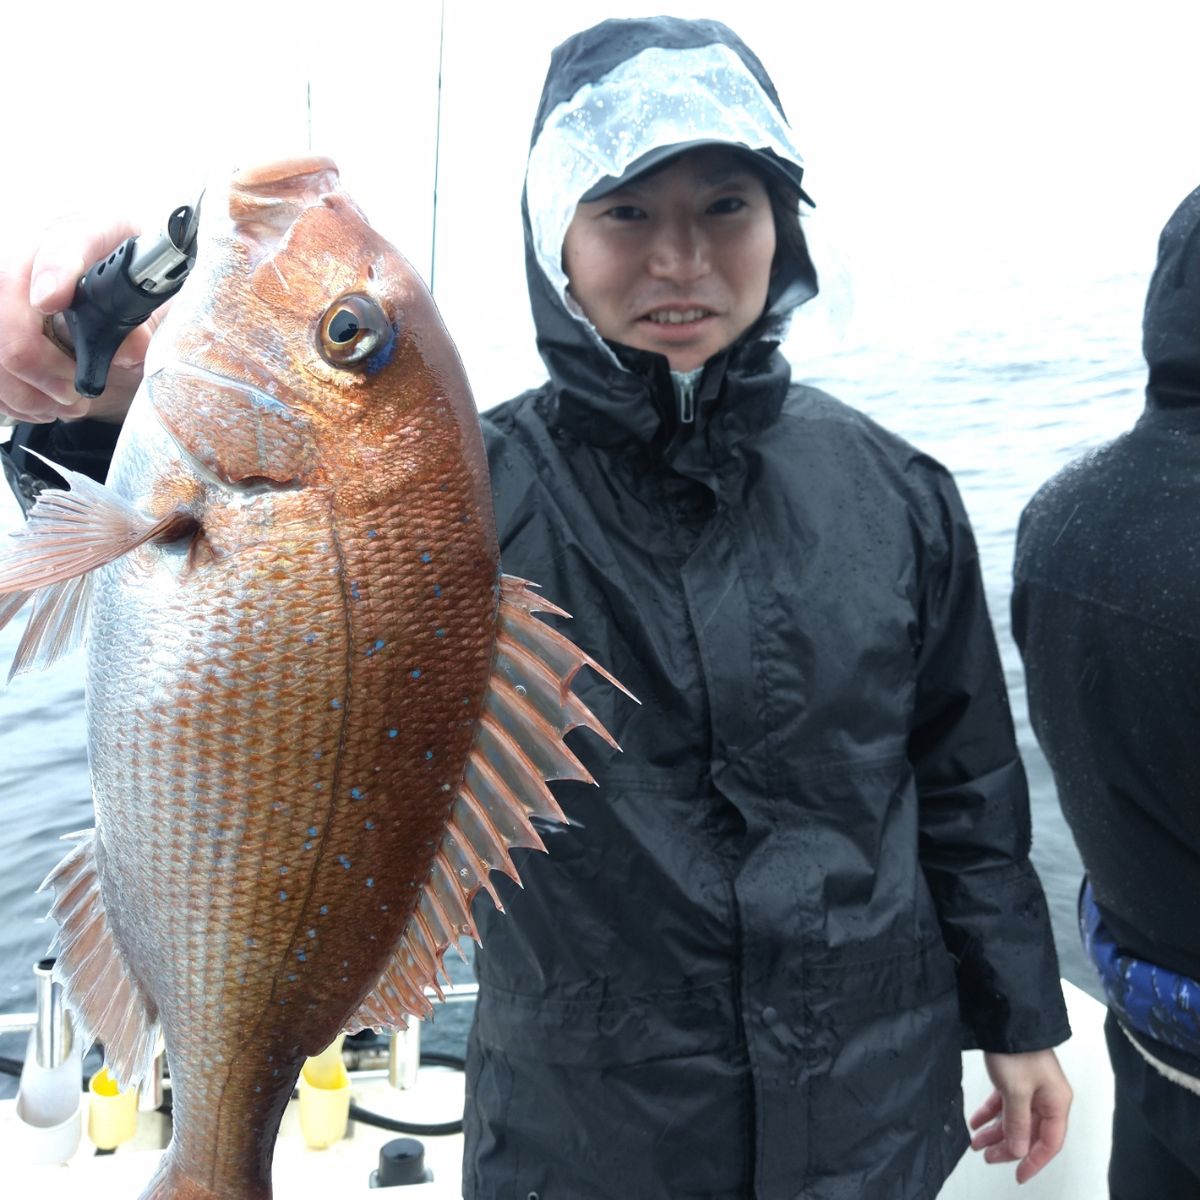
(750, 964)
(1106, 611)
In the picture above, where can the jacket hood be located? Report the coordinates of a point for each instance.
(618, 98)
(1171, 327)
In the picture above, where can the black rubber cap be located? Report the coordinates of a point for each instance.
(401, 1161)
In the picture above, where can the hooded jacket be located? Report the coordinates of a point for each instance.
(749, 965)
(1106, 611)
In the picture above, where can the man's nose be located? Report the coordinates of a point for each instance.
(679, 252)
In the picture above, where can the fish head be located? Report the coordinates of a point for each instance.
(305, 351)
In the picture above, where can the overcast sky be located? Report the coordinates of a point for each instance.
(950, 147)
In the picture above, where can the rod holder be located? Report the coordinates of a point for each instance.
(150, 1090)
(48, 1105)
(404, 1055)
(55, 1031)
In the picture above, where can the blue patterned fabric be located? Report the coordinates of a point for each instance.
(1148, 999)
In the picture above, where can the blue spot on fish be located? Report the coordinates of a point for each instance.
(368, 824)
(437, 590)
(312, 831)
(439, 633)
(356, 793)
(428, 755)
(283, 870)
(426, 557)
(370, 881)
(324, 910)
(355, 593)
(416, 673)
(372, 533)
(393, 733)
(308, 845)
(335, 703)
(312, 933)
(301, 956)
(311, 638)
(283, 895)
(344, 861)
(379, 645)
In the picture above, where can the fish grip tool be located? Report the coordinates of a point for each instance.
(119, 292)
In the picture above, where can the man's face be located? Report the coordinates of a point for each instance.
(677, 261)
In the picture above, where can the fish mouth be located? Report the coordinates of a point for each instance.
(266, 199)
(284, 175)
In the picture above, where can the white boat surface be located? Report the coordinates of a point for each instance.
(344, 1169)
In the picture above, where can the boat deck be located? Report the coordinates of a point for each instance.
(345, 1168)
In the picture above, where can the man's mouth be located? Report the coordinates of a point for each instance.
(676, 316)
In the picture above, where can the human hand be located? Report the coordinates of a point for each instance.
(37, 380)
(1025, 1119)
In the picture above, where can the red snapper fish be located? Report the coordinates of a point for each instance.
(318, 713)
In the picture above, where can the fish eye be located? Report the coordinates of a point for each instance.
(352, 329)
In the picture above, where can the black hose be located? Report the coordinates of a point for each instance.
(429, 1058)
(365, 1117)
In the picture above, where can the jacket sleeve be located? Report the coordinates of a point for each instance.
(974, 825)
(84, 446)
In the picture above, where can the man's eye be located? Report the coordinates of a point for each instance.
(727, 204)
(625, 212)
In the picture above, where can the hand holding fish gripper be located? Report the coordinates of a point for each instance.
(118, 293)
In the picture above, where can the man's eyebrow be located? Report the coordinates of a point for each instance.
(734, 173)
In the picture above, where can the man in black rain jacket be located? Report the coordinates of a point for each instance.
(749, 966)
(1106, 611)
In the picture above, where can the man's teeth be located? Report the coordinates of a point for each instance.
(668, 317)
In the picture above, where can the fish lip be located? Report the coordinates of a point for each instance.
(284, 173)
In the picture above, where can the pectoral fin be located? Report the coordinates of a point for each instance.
(68, 534)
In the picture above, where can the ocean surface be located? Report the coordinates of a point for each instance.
(1002, 381)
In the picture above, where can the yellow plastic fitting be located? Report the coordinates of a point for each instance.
(324, 1097)
(112, 1113)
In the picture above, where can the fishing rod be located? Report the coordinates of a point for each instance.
(437, 150)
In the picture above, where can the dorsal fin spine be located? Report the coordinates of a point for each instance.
(527, 708)
(487, 841)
